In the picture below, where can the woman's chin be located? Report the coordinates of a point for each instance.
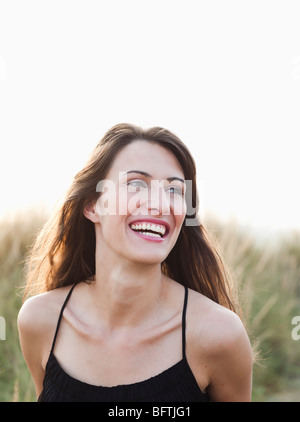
(143, 259)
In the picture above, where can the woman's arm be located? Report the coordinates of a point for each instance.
(231, 365)
(33, 327)
(220, 354)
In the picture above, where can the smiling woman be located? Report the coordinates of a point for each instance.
(143, 274)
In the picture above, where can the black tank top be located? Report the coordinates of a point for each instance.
(175, 384)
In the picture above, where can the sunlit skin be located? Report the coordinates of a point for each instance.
(156, 201)
(130, 265)
(125, 325)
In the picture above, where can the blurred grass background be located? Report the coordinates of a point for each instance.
(268, 278)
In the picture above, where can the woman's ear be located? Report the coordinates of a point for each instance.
(89, 212)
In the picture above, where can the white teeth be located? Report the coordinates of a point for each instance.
(147, 226)
(151, 234)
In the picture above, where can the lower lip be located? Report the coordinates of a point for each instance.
(150, 238)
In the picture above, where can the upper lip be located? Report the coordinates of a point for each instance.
(153, 221)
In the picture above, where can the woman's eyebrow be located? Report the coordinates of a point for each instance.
(169, 179)
(140, 172)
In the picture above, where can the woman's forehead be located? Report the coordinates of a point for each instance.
(149, 157)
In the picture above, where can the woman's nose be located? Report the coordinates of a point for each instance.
(158, 202)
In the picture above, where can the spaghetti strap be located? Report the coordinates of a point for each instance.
(60, 316)
(183, 321)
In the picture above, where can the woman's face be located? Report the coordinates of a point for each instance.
(142, 205)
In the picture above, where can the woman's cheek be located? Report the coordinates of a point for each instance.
(107, 201)
(179, 208)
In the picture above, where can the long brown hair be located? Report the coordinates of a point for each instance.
(64, 251)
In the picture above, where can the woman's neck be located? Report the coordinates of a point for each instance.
(127, 293)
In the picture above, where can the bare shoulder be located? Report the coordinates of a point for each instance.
(40, 312)
(37, 320)
(220, 348)
(220, 325)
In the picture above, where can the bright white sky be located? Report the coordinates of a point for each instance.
(223, 75)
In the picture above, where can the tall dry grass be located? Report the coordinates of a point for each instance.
(268, 277)
(16, 234)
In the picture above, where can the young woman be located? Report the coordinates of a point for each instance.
(130, 302)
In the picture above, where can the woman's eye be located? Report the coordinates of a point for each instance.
(137, 184)
(175, 190)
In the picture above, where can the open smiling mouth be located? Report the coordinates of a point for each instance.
(150, 230)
